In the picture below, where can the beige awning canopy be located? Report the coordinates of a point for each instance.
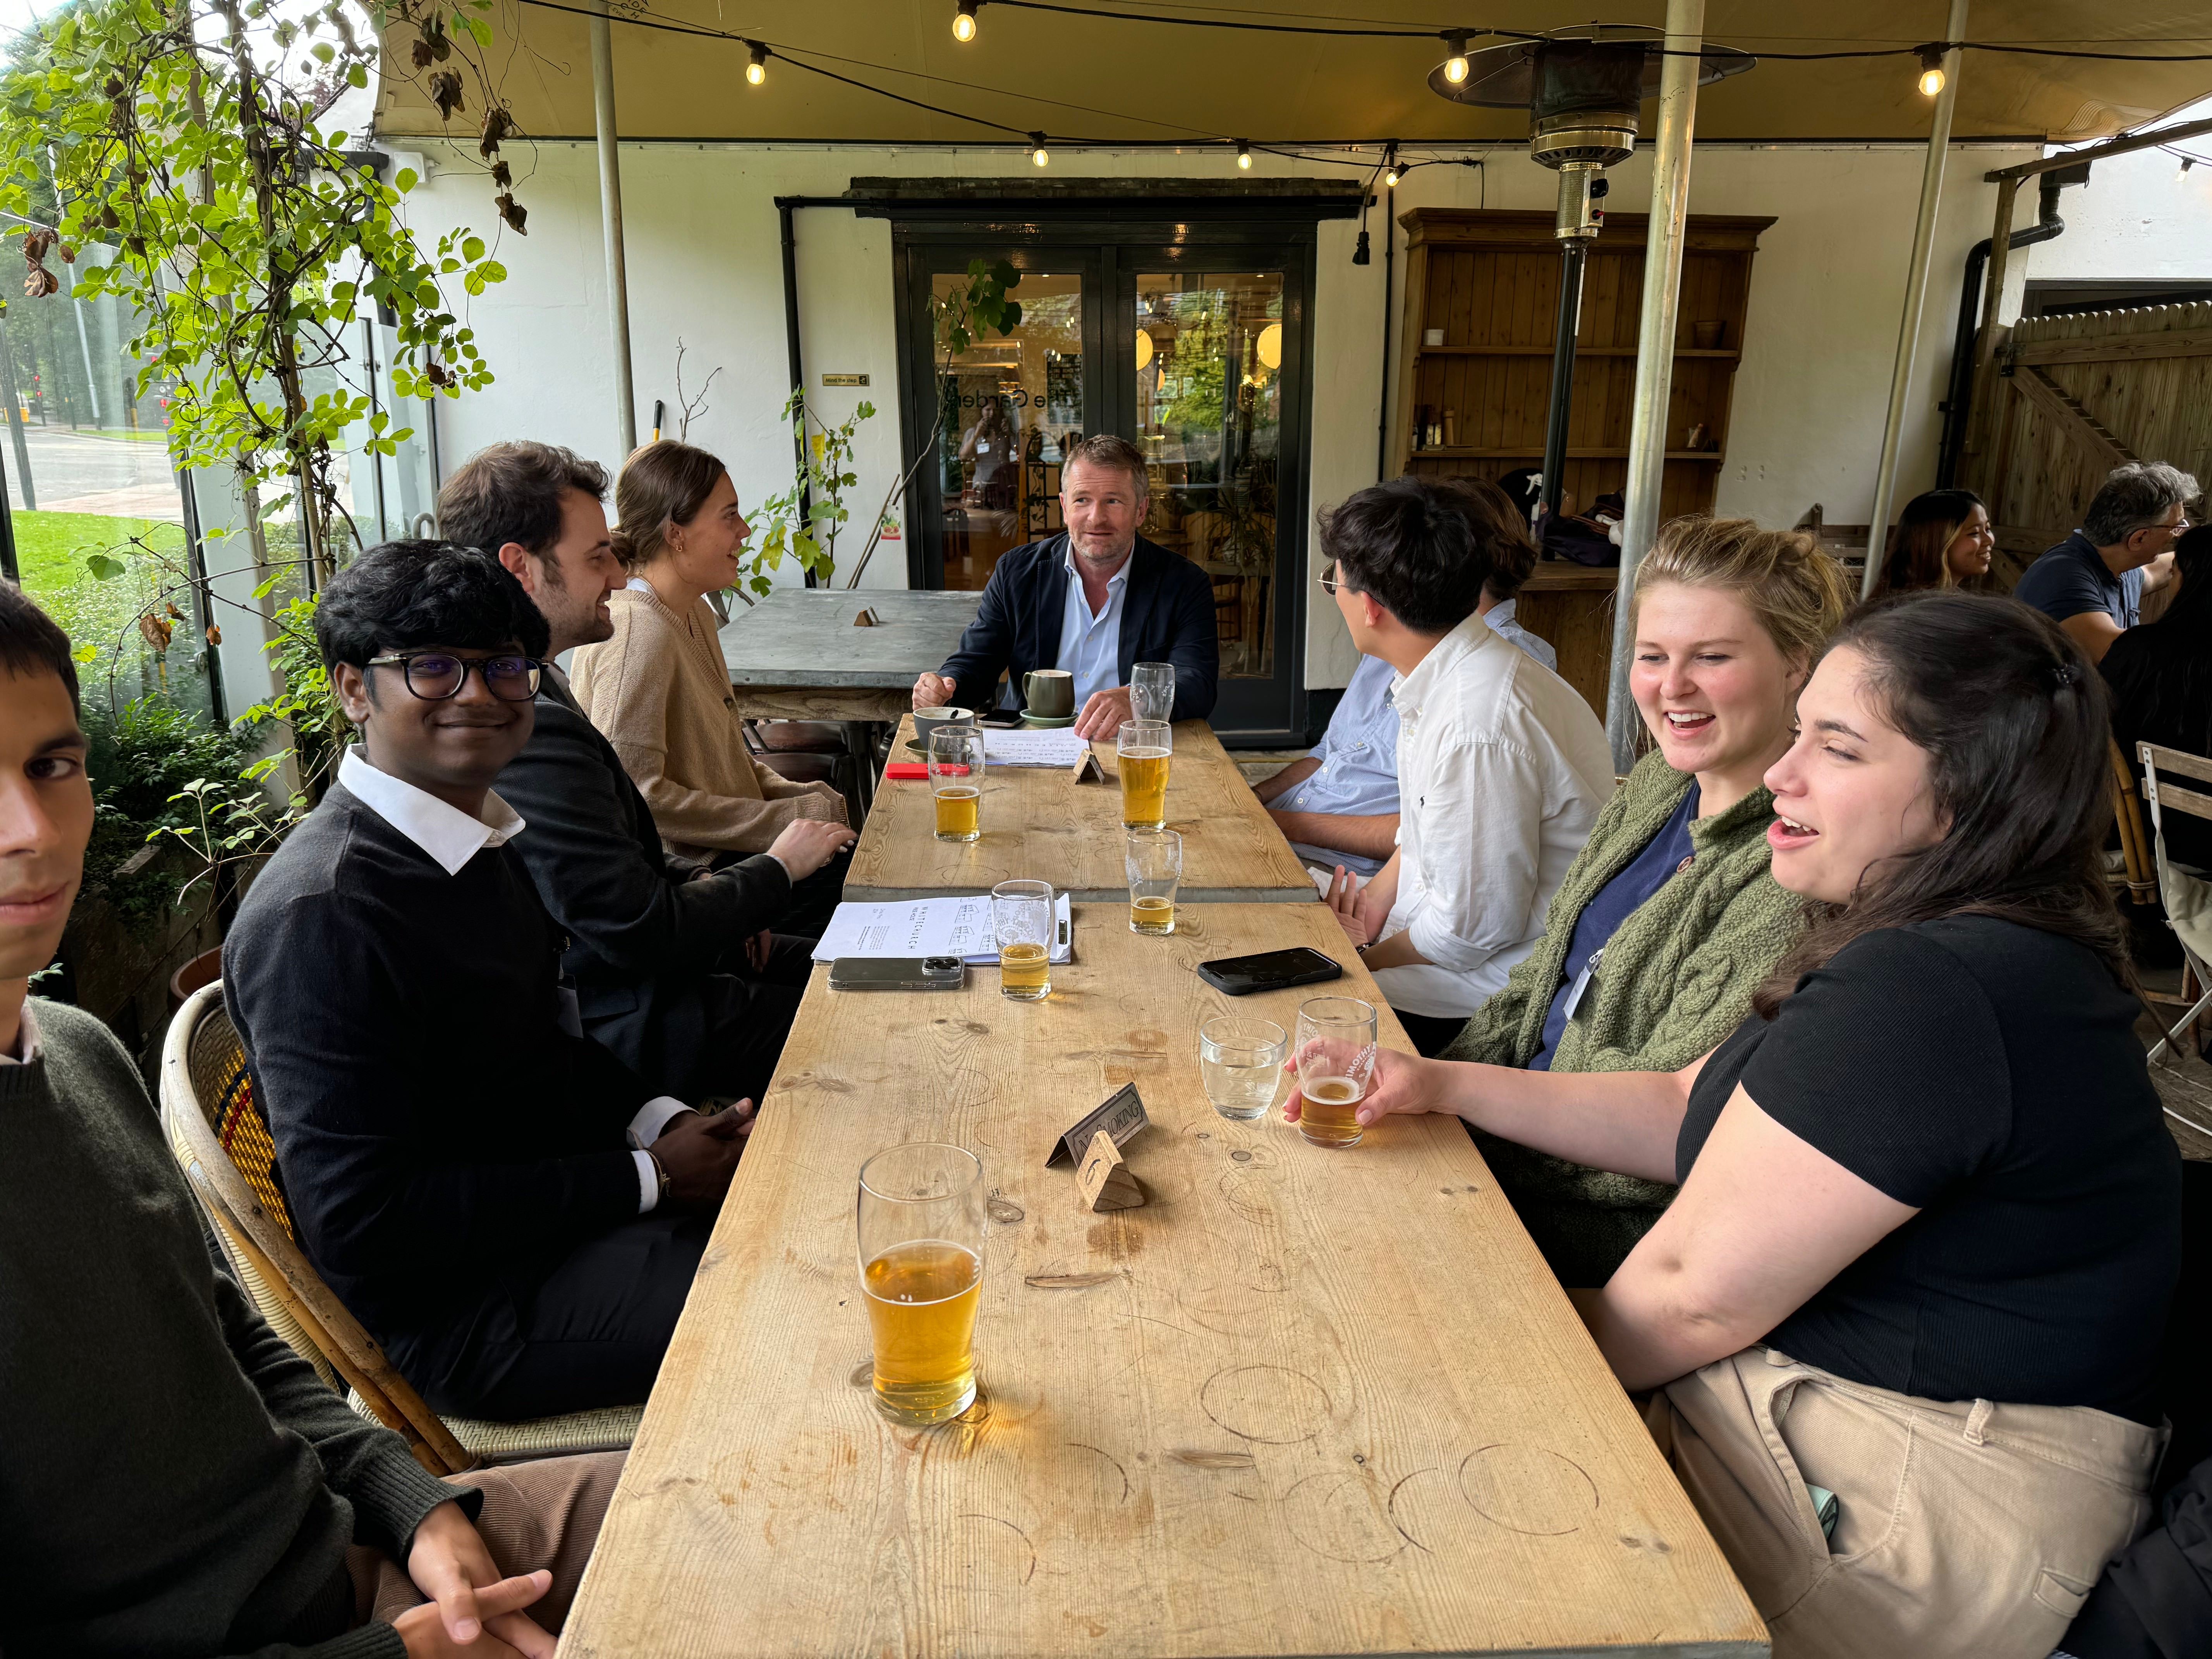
(1138, 82)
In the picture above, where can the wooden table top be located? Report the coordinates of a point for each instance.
(1302, 1402)
(1038, 822)
(796, 655)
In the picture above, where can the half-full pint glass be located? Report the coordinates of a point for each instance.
(921, 1218)
(1335, 1050)
(1142, 749)
(955, 781)
(1022, 923)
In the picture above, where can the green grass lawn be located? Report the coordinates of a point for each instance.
(50, 547)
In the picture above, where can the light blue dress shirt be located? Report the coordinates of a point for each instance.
(1500, 618)
(1359, 757)
(1091, 646)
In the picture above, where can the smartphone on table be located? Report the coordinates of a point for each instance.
(897, 973)
(1269, 970)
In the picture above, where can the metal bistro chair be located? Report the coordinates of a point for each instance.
(2187, 898)
(220, 1139)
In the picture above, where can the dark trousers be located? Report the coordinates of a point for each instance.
(590, 1333)
(1432, 1034)
(746, 1021)
(807, 911)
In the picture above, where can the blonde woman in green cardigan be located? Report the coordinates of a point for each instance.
(1669, 918)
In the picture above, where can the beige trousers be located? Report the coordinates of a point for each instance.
(543, 1514)
(1966, 1531)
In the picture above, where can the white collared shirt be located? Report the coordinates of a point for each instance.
(451, 837)
(1091, 646)
(1500, 618)
(1502, 771)
(27, 1040)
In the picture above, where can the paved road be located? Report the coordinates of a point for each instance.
(119, 477)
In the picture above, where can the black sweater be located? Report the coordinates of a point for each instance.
(177, 1482)
(443, 1142)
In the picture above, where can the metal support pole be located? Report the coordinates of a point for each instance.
(1916, 295)
(1573, 251)
(611, 217)
(15, 419)
(1654, 350)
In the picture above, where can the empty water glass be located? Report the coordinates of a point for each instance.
(1151, 691)
(1240, 1061)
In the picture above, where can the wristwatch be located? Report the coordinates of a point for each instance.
(661, 1175)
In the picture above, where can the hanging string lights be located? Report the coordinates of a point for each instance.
(1931, 70)
(757, 70)
(964, 22)
(1243, 156)
(1455, 64)
(1039, 156)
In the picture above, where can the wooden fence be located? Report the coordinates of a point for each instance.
(2076, 396)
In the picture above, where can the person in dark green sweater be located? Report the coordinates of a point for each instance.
(1662, 927)
(175, 1482)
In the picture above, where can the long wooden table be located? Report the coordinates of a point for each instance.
(1039, 821)
(1303, 1402)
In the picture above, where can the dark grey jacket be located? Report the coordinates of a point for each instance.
(643, 935)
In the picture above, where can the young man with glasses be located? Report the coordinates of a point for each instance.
(2093, 583)
(499, 1199)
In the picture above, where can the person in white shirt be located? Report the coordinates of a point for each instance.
(1502, 767)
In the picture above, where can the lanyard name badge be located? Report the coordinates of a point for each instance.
(1583, 980)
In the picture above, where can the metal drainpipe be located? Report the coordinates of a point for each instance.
(1958, 407)
(1916, 296)
(1573, 253)
(785, 208)
(611, 215)
(1655, 351)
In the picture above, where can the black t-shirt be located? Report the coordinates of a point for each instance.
(1989, 1075)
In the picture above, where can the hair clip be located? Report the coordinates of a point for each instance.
(2063, 675)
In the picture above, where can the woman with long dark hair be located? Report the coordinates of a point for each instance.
(1943, 540)
(1929, 1215)
(2161, 676)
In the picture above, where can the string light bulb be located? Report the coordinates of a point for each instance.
(1039, 156)
(964, 22)
(1243, 156)
(757, 70)
(1931, 70)
(1390, 176)
(2182, 172)
(1455, 65)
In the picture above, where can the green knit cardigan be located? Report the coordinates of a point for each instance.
(1677, 977)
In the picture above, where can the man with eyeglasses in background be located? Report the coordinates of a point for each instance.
(494, 1195)
(2093, 583)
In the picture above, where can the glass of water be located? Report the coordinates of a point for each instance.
(1151, 691)
(1240, 1061)
(1336, 1062)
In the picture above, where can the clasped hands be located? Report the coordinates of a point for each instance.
(1103, 712)
(473, 1610)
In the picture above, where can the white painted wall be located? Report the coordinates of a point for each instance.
(704, 265)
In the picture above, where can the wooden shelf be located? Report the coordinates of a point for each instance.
(1580, 351)
(1462, 453)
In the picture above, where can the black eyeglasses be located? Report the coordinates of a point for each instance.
(435, 676)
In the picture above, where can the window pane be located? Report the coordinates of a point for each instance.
(1209, 416)
(1010, 402)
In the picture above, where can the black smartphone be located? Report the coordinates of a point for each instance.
(1270, 970)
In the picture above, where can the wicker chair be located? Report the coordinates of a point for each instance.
(220, 1140)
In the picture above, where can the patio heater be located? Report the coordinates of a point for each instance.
(1583, 88)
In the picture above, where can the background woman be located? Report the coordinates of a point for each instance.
(2161, 676)
(1943, 540)
(1673, 889)
(1929, 1220)
(659, 688)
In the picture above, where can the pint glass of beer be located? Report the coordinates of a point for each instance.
(1022, 919)
(1155, 866)
(1336, 1061)
(921, 1274)
(955, 781)
(1142, 750)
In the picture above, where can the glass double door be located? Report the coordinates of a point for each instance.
(1196, 351)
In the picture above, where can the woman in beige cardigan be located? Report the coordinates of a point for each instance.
(659, 690)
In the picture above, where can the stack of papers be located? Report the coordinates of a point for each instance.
(928, 927)
(1052, 746)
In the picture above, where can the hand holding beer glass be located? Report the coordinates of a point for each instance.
(1141, 752)
(1022, 921)
(920, 1216)
(1335, 1055)
(1154, 862)
(955, 781)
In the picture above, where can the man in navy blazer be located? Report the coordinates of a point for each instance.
(1095, 599)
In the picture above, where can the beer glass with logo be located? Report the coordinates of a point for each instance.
(1021, 921)
(955, 781)
(1152, 690)
(1142, 750)
(1336, 1061)
(921, 1218)
(1154, 862)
